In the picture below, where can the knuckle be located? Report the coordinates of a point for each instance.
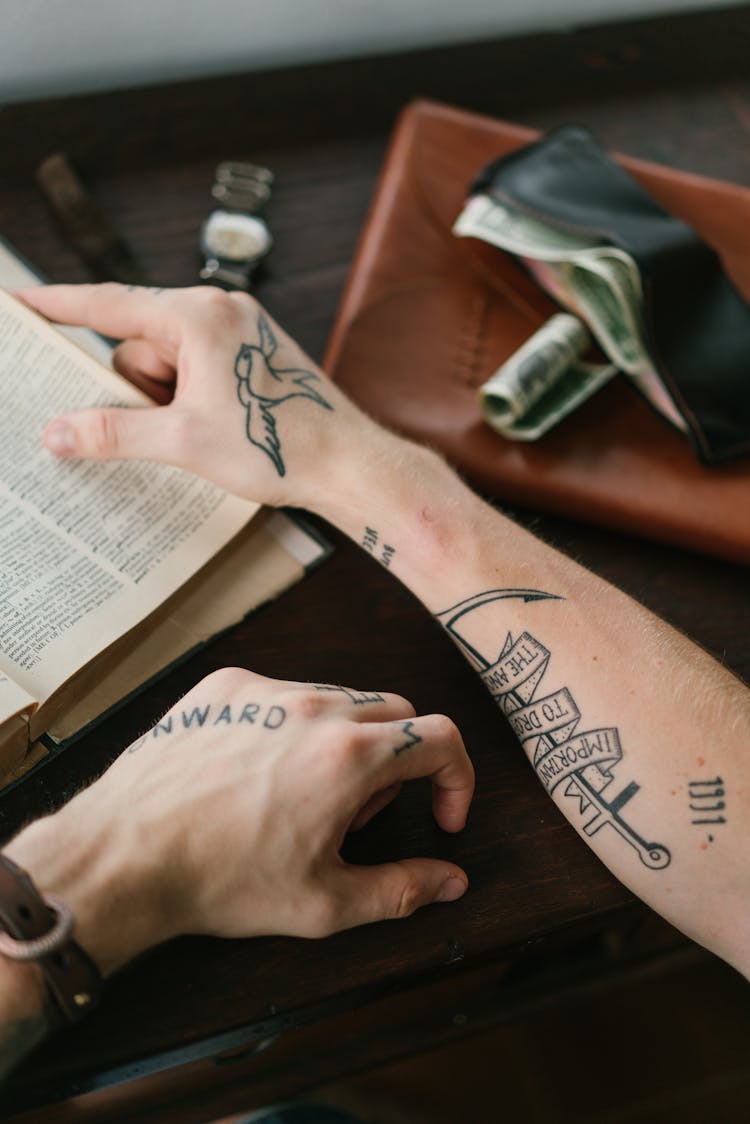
(409, 897)
(103, 434)
(341, 745)
(402, 704)
(324, 916)
(243, 302)
(306, 705)
(108, 289)
(444, 729)
(180, 435)
(227, 679)
(218, 306)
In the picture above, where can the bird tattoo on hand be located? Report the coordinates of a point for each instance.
(261, 387)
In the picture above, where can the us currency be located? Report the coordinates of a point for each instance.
(599, 283)
(543, 381)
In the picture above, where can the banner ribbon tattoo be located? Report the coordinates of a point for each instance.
(546, 726)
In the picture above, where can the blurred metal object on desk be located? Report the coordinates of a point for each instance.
(88, 231)
(236, 239)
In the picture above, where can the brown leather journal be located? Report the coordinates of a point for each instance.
(426, 318)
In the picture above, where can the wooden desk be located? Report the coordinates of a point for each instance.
(222, 1026)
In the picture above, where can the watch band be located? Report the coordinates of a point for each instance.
(44, 925)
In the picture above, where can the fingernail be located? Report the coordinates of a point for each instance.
(58, 437)
(452, 889)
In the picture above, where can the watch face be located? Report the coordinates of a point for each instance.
(235, 237)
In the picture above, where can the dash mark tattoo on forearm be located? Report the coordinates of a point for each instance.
(707, 804)
(546, 726)
(262, 387)
(412, 739)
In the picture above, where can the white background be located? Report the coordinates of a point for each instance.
(69, 46)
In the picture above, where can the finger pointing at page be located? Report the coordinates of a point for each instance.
(250, 412)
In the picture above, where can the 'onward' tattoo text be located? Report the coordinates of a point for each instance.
(213, 714)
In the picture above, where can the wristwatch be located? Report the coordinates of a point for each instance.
(235, 238)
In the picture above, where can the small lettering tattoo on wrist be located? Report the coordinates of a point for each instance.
(370, 540)
(707, 804)
(371, 543)
(212, 714)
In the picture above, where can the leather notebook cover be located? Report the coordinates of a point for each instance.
(427, 317)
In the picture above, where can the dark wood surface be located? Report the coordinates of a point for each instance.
(675, 90)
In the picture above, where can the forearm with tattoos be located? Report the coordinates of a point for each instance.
(635, 732)
(650, 777)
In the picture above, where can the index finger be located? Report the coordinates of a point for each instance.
(121, 311)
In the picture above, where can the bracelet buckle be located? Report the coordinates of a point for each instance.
(37, 947)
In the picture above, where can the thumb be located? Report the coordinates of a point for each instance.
(391, 890)
(111, 434)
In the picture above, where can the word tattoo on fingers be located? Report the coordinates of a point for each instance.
(262, 387)
(212, 714)
(412, 739)
(357, 697)
(582, 762)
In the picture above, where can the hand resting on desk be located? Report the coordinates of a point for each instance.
(227, 818)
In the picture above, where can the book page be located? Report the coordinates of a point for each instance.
(16, 274)
(87, 549)
(13, 699)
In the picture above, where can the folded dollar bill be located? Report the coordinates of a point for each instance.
(544, 381)
(598, 283)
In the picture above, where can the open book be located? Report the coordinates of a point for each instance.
(108, 571)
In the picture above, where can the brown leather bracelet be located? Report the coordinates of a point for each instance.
(73, 980)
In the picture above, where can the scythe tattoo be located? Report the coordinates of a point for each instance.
(546, 726)
(262, 387)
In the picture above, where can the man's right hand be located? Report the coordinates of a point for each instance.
(229, 815)
(245, 407)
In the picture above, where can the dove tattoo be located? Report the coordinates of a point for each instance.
(261, 387)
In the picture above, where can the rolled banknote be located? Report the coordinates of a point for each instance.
(535, 367)
(543, 381)
(599, 283)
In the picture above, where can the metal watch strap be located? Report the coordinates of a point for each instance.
(72, 978)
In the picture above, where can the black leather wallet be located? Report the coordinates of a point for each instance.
(696, 325)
